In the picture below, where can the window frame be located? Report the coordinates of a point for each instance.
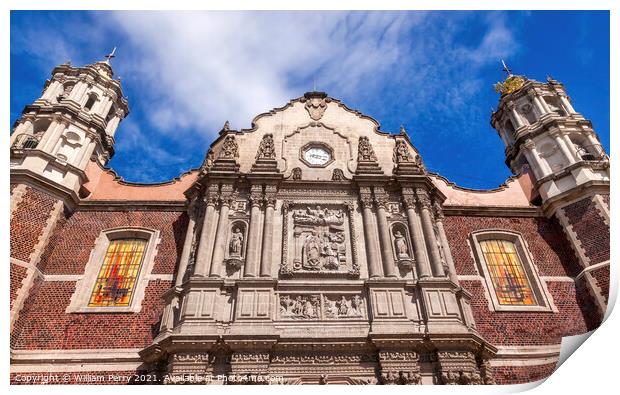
(84, 286)
(538, 287)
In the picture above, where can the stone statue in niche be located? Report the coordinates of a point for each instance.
(320, 234)
(401, 245)
(401, 248)
(236, 243)
(234, 261)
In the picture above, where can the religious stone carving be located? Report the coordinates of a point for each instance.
(230, 149)
(319, 239)
(296, 174)
(322, 306)
(402, 377)
(401, 152)
(365, 152)
(301, 307)
(316, 104)
(338, 175)
(266, 149)
(343, 307)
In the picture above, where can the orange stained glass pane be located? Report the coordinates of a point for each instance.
(117, 277)
(511, 284)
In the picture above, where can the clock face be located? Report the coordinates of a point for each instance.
(317, 156)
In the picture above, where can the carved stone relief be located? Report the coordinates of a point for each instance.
(402, 246)
(321, 306)
(317, 240)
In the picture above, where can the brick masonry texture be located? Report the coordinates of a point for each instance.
(601, 276)
(18, 273)
(93, 377)
(74, 238)
(522, 374)
(590, 228)
(536, 328)
(43, 323)
(550, 249)
(28, 222)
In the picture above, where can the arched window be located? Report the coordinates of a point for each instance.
(117, 277)
(117, 272)
(509, 273)
(92, 99)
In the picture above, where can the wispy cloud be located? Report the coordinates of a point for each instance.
(187, 72)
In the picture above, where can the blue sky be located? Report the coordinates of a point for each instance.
(186, 73)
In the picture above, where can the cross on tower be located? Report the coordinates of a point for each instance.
(506, 69)
(111, 55)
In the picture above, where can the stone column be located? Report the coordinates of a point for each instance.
(51, 89)
(566, 103)
(541, 164)
(77, 93)
(266, 256)
(252, 256)
(543, 102)
(515, 116)
(203, 256)
(188, 243)
(54, 137)
(536, 102)
(443, 239)
(421, 258)
(374, 267)
(557, 136)
(429, 233)
(219, 247)
(387, 254)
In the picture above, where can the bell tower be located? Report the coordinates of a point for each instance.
(545, 136)
(73, 121)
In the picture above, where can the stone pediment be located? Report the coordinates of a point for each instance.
(315, 137)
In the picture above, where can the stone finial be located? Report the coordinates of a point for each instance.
(230, 148)
(266, 149)
(365, 152)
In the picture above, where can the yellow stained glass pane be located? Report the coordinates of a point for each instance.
(119, 271)
(511, 284)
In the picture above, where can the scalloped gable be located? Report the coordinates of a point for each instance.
(314, 118)
(515, 192)
(105, 184)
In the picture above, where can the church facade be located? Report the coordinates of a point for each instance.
(312, 248)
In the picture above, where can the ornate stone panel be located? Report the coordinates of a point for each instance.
(318, 240)
(321, 306)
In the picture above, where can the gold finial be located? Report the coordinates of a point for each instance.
(511, 84)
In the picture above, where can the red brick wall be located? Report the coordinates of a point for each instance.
(43, 323)
(74, 238)
(550, 249)
(18, 273)
(591, 230)
(525, 328)
(521, 374)
(28, 222)
(601, 276)
(552, 256)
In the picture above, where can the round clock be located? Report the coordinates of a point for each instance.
(317, 156)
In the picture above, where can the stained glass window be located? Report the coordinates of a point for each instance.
(511, 284)
(119, 271)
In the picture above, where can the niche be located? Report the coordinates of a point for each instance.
(401, 244)
(236, 246)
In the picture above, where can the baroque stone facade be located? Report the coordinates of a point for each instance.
(312, 248)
